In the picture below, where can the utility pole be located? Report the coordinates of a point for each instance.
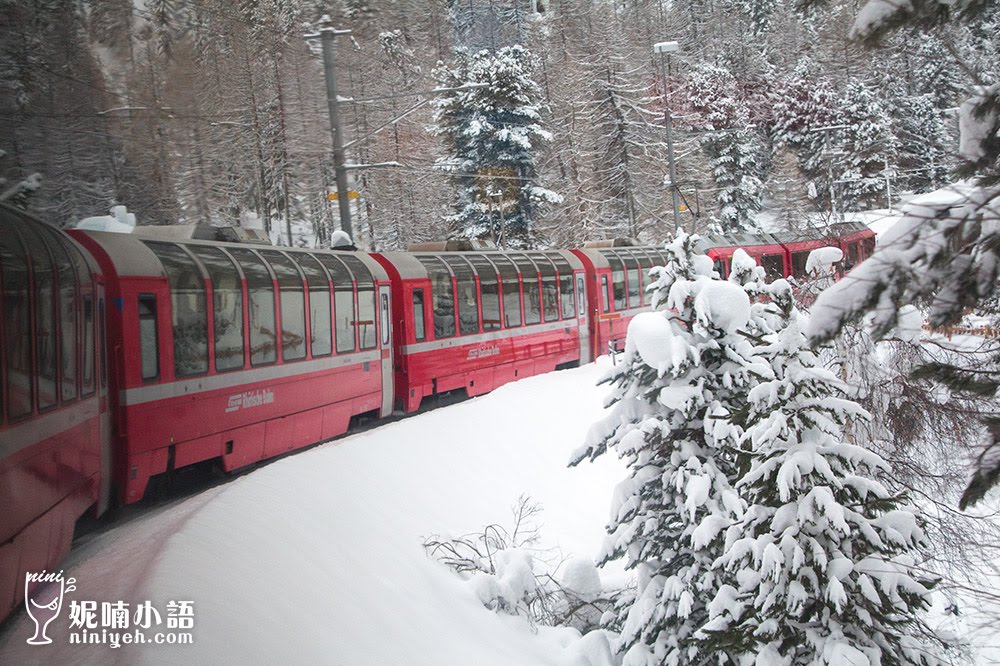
(327, 33)
(664, 49)
(888, 184)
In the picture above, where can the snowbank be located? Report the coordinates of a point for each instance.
(317, 557)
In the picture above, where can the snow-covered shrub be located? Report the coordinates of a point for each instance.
(512, 574)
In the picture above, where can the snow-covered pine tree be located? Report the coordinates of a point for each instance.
(686, 369)
(825, 559)
(736, 156)
(870, 148)
(493, 134)
(802, 102)
(925, 156)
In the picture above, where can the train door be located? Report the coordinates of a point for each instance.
(104, 420)
(385, 348)
(582, 320)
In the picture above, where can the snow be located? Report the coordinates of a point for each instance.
(580, 576)
(722, 305)
(821, 260)
(340, 238)
(975, 132)
(119, 221)
(653, 339)
(875, 13)
(318, 557)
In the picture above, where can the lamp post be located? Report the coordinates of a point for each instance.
(665, 49)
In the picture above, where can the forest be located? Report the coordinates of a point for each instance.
(216, 111)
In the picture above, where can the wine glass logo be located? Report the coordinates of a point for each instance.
(44, 604)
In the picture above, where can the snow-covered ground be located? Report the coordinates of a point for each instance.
(318, 558)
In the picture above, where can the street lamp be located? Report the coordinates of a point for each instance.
(665, 49)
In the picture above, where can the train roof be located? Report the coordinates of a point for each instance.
(27, 223)
(131, 256)
(409, 264)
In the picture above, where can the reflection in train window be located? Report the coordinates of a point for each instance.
(190, 308)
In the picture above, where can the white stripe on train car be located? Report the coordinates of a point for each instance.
(462, 340)
(141, 394)
(45, 425)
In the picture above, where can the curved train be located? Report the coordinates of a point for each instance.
(124, 358)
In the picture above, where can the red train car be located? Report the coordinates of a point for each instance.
(617, 278)
(478, 320)
(766, 249)
(236, 353)
(54, 431)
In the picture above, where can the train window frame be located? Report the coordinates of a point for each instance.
(489, 291)
(255, 261)
(565, 277)
(799, 260)
(308, 263)
(366, 301)
(466, 284)
(153, 315)
(581, 295)
(192, 271)
(605, 296)
(419, 326)
(548, 277)
(769, 274)
(68, 346)
(510, 290)
(443, 310)
(291, 301)
(384, 317)
(21, 320)
(633, 287)
(618, 285)
(203, 254)
(343, 280)
(531, 299)
(37, 249)
(88, 383)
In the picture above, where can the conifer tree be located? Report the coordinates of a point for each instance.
(493, 133)
(686, 370)
(733, 147)
(870, 147)
(824, 560)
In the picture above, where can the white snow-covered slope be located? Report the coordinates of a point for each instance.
(317, 558)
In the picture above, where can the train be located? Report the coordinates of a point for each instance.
(125, 357)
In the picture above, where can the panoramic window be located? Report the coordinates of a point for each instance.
(227, 301)
(16, 326)
(260, 291)
(291, 295)
(190, 307)
(343, 302)
(320, 332)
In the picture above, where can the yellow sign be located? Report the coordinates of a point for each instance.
(351, 194)
(681, 207)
